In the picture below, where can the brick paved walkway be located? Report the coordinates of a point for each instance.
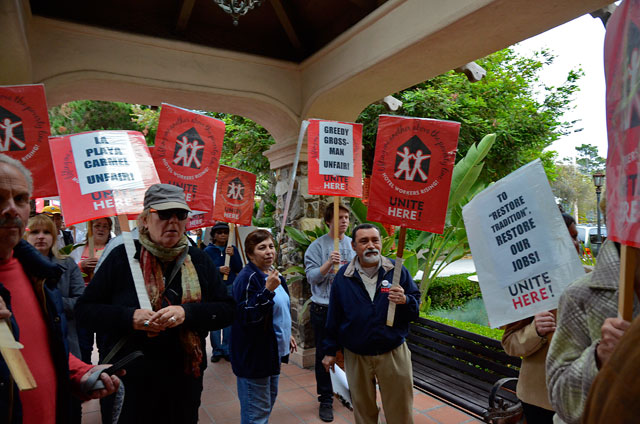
(296, 403)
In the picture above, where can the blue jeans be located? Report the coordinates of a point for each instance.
(222, 348)
(257, 397)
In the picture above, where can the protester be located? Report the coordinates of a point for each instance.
(587, 332)
(261, 331)
(64, 237)
(529, 338)
(356, 321)
(41, 233)
(217, 251)
(31, 301)
(320, 260)
(188, 301)
(613, 397)
(100, 235)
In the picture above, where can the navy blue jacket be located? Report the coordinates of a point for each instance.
(44, 276)
(254, 348)
(357, 323)
(218, 256)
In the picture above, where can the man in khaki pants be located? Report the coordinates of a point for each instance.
(356, 321)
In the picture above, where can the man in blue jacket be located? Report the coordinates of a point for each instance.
(356, 321)
(217, 251)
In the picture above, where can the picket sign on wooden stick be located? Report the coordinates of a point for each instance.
(230, 242)
(629, 258)
(134, 265)
(397, 272)
(10, 350)
(294, 170)
(336, 223)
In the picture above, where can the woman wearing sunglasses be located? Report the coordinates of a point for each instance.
(188, 300)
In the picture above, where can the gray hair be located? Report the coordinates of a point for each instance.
(20, 167)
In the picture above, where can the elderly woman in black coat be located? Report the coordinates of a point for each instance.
(187, 298)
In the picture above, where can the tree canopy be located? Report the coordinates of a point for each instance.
(510, 101)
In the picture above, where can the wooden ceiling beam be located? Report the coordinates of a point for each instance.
(362, 4)
(185, 14)
(283, 17)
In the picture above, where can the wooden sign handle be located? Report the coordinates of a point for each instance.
(336, 223)
(239, 245)
(230, 241)
(397, 272)
(629, 258)
(15, 362)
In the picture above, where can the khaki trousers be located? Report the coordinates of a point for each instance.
(395, 379)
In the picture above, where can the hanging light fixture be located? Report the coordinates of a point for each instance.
(237, 8)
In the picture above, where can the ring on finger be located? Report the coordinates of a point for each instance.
(146, 323)
(172, 320)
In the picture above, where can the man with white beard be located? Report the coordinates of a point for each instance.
(356, 321)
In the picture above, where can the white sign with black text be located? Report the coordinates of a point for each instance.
(336, 149)
(521, 247)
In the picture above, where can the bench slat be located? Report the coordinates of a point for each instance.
(458, 332)
(472, 346)
(464, 358)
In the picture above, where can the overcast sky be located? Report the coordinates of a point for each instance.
(577, 44)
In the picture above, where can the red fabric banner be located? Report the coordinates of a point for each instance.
(234, 196)
(334, 158)
(202, 220)
(621, 51)
(412, 172)
(24, 132)
(102, 173)
(187, 153)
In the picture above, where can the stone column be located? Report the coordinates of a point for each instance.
(304, 214)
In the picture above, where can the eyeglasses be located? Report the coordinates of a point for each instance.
(166, 215)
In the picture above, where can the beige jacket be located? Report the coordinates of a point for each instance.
(521, 339)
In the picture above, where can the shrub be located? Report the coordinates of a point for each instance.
(467, 326)
(473, 312)
(453, 291)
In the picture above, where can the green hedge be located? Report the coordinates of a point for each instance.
(453, 291)
(474, 328)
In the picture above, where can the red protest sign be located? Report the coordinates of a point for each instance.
(622, 43)
(412, 172)
(234, 196)
(24, 129)
(102, 173)
(187, 153)
(200, 221)
(335, 158)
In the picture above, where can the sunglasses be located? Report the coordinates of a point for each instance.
(166, 215)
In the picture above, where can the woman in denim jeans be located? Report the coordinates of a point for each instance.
(262, 329)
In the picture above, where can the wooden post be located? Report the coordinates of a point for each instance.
(230, 242)
(629, 257)
(336, 223)
(136, 272)
(240, 246)
(10, 350)
(397, 272)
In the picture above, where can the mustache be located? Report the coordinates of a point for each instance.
(14, 221)
(372, 250)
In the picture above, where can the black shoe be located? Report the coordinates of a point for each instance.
(226, 358)
(326, 412)
(216, 358)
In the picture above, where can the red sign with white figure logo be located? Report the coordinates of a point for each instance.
(412, 172)
(622, 69)
(24, 132)
(187, 153)
(335, 158)
(234, 196)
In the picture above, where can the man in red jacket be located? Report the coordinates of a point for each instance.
(28, 295)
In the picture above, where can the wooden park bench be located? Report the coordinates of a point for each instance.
(460, 367)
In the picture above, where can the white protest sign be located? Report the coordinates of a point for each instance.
(105, 161)
(521, 247)
(336, 149)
